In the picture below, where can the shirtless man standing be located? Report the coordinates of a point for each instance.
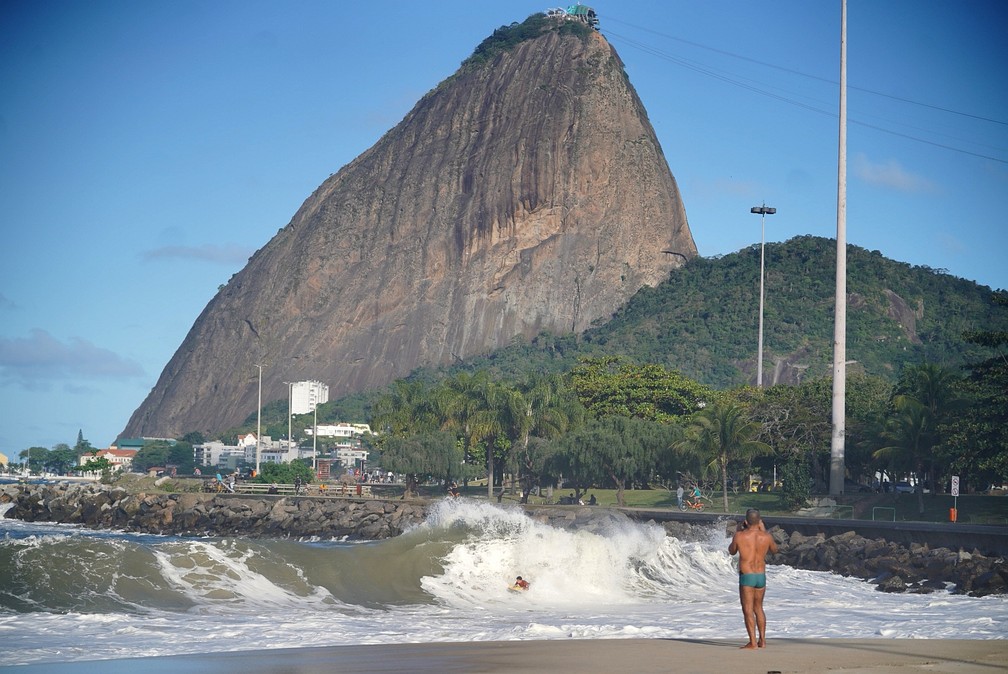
(752, 542)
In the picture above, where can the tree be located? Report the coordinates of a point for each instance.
(285, 473)
(925, 400)
(575, 458)
(404, 410)
(96, 464)
(911, 436)
(194, 438)
(795, 483)
(977, 438)
(721, 434)
(632, 451)
(61, 459)
(615, 450)
(538, 463)
(432, 453)
(550, 410)
(161, 453)
(794, 420)
(866, 409)
(83, 446)
(35, 457)
(611, 386)
(487, 414)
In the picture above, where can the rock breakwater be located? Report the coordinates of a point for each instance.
(190, 514)
(893, 567)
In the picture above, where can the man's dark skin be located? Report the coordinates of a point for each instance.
(752, 543)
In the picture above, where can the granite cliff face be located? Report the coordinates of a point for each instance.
(525, 194)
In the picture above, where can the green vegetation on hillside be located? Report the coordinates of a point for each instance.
(702, 321)
(506, 38)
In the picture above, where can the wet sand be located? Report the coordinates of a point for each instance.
(850, 656)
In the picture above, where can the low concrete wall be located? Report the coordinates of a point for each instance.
(987, 539)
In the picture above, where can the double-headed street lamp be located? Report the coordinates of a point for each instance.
(762, 211)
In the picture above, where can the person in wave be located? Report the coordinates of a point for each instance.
(520, 584)
(453, 490)
(752, 543)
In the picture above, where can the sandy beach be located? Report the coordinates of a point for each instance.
(851, 656)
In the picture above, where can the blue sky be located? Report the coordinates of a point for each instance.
(148, 148)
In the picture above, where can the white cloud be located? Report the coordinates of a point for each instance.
(890, 174)
(40, 358)
(208, 252)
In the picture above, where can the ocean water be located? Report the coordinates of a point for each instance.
(68, 593)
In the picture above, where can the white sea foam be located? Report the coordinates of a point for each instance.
(626, 581)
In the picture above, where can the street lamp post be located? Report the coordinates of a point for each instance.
(290, 412)
(259, 419)
(762, 211)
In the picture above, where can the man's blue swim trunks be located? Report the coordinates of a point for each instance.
(757, 580)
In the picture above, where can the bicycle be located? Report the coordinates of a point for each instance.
(692, 505)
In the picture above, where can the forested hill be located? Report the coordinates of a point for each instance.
(703, 319)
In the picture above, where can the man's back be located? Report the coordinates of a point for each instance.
(752, 545)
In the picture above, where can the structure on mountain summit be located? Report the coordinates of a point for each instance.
(576, 12)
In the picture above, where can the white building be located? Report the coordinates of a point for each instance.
(341, 430)
(305, 395)
(350, 456)
(121, 459)
(215, 454)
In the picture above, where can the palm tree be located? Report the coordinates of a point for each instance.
(720, 434)
(550, 411)
(405, 410)
(911, 437)
(487, 414)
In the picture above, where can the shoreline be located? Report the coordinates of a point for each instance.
(861, 656)
(900, 557)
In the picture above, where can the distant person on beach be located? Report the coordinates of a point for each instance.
(678, 495)
(453, 490)
(752, 543)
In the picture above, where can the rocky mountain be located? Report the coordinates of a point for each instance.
(525, 193)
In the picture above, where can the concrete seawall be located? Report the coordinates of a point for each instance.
(985, 539)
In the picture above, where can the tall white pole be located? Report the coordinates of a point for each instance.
(763, 211)
(759, 357)
(314, 438)
(290, 413)
(259, 420)
(837, 467)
